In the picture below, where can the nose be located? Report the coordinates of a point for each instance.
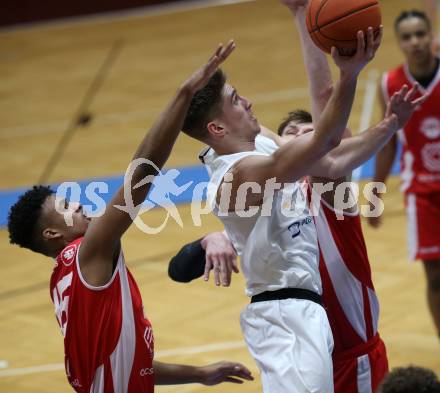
(247, 103)
(414, 40)
(76, 207)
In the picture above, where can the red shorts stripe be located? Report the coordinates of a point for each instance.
(354, 373)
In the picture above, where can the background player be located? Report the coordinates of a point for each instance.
(108, 342)
(420, 162)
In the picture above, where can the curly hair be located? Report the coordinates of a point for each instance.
(409, 380)
(299, 116)
(24, 217)
(205, 104)
(412, 14)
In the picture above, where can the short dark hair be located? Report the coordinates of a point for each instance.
(24, 217)
(205, 104)
(409, 380)
(299, 116)
(412, 14)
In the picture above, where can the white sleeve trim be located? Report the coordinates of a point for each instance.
(101, 287)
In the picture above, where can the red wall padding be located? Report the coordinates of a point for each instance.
(23, 11)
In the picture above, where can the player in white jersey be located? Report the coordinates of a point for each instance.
(285, 326)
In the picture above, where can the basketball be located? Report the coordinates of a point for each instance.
(336, 22)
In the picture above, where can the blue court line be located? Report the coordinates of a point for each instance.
(191, 174)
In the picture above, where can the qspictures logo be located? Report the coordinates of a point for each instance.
(206, 197)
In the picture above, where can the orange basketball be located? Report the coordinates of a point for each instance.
(336, 22)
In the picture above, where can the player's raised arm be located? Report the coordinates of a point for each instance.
(101, 243)
(353, 151)
(315, 60)
(293, 160)
(384, 160)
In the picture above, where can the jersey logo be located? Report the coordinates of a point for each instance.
(149, 339)
(68, 254)
(146, 371)
(430, 127)
(61, 301)
(295, 228)
(431, 156)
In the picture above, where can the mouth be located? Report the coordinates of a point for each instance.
(417, 51)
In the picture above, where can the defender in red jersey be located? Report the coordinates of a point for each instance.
(420, 138)
(108, 341)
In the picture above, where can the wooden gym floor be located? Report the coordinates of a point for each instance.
(46, 71)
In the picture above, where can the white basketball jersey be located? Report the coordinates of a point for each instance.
(277, 243)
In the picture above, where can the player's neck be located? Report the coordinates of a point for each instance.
(423, 69)
(235, 147)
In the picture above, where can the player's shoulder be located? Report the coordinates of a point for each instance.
(68, 254)
(395, 75)
(265, 144)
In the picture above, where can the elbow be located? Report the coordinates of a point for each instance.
(188, 264)
(334, 167)
(334, 171)
(335, 174)
(324, 94)
(175, 273)
(322, 146)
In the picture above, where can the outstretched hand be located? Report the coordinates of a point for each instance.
(201, 77)
(220, 257)
(365, 51)
(402, 104)
(216, 373)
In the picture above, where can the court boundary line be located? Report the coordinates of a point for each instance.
(51, 367)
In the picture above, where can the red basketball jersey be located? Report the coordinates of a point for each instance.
(347, 288)
(108, 343)
(420, 162)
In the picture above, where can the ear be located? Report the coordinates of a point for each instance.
(215, 129)
(51, 234)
